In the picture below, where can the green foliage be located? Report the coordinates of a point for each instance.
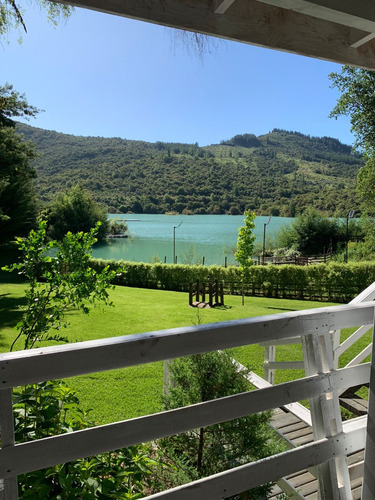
(75, 210)
(17, 194)
(116, 227)
(312, 234)
(357, 87)
(68, 281)
(51, 408)
(333, 281)
(11, 14)
(13, 104)
(245, 243)
(283, 174)
(210, 450)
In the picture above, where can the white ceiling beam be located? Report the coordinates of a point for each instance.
(253, 22)
(359, 14)
(221, 6)
(359, 37)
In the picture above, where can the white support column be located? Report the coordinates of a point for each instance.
(7, 439)
(368, 488)
(269, 356)
(334, 481)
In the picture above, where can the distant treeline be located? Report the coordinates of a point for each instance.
(280, 173)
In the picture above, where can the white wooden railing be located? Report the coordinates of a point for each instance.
(271, 365)
(333, 441)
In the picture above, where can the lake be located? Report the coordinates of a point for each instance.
(210, 236)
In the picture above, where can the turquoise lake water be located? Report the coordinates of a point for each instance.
(210, 236)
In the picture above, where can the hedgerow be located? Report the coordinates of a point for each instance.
(327, 282)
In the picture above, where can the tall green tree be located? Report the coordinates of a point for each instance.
(75, 211)
(311, 234)
(18, 208)
(357, 100)
(245, 243)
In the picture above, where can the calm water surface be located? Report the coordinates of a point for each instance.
(210, 236)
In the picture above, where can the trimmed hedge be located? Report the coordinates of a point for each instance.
(326, 282)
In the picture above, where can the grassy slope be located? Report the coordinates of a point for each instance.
(136, 391)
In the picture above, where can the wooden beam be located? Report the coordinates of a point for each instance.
(360, 15)
(257, 23)
(221, 6)
(362, 40)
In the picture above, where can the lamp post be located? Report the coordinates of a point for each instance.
(174, 242)
(264, 238)
(349, 216)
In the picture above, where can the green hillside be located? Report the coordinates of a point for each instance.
(279, 173)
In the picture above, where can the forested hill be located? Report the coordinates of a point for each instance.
(279, 173)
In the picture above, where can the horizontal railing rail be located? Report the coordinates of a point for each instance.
(26, 367)
(368, 295)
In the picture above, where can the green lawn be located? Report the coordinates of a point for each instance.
(136, 391)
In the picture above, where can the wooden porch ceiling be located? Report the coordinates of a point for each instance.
(342, 31)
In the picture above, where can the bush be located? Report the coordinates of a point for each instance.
(333, 281)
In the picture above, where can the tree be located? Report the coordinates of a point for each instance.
(213, 449)
(75, 211)
(357, 100)
(52, 407)
(12, 14)
(245, 243)
(311, 234)
(57, 283)
(18, 209)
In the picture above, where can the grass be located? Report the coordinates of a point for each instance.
(136, 391)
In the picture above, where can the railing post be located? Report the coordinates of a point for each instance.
(7, 439)
(333, 476)
(269, 356)
(368, 488)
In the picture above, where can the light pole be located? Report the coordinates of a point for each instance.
(349, 216)
(174, 242)
(264, 238)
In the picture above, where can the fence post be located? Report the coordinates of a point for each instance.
(203, 261)
(165, 259)
(368, 488)
(203, 292)
(210, 293)
(190, 294)
(7, 439)
(226, 261)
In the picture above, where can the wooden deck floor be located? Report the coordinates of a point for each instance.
(303, 484)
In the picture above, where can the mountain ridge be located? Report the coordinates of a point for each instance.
(279, 173)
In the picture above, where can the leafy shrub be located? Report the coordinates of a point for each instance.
(333, 281)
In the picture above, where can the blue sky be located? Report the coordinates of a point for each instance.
(108, 76)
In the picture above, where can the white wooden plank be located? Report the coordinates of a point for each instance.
(252, 475)
(359, 15)
(368, 489)
(289, 341)
(295, 408)
(361, 356)
(35, 455)
(25, 367)
(221, 6)
(362, 40)
(368, 294)
(356, 470)
(9, 485)
(352, 339)
(285, 365)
